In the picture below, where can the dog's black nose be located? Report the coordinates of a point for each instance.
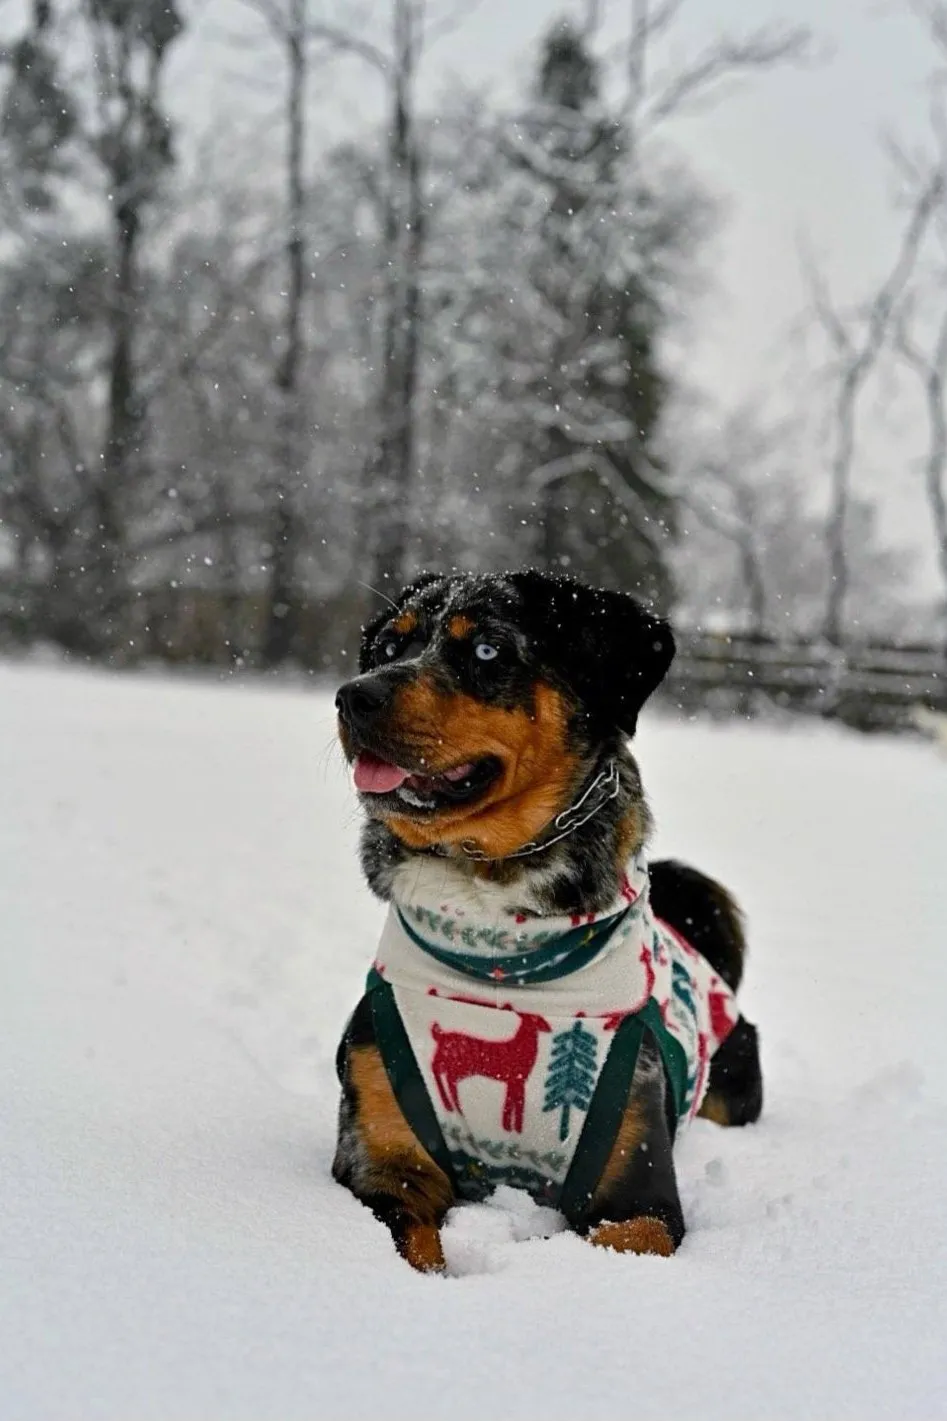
(359, 700)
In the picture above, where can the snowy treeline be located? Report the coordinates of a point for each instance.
(235, 393)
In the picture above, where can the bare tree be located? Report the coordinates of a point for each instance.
(929, 361)
(389, 475)
(293, 27)
(104, 133)
(130, 137)
(752, 556)
(391, 472)
(858, 343)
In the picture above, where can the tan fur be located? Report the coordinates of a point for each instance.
(422, 1248)
(714, 1107)
(642, 1235)
(398, 1164)
(459, 627)
(538, 777)
(632, 832)
(405, 623)
(631, 1133)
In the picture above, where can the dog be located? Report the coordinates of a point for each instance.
(545, 1007)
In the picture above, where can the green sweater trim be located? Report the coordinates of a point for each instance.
(556, 958)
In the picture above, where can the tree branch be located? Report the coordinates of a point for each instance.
(594, 462)
(728, 57)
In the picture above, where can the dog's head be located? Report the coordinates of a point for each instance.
(483, 702)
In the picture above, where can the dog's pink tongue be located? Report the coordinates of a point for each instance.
(374, 776)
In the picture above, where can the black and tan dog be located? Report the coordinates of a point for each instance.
(489, 731)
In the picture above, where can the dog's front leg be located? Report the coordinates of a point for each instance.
(380, 1159)
(636, 1207)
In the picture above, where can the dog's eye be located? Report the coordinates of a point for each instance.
(389, 650)
(485, 652)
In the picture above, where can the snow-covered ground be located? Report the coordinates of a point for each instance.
(184, 931)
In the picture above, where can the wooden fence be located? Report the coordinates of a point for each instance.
(870, 687)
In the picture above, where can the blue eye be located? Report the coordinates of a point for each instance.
(485, 652)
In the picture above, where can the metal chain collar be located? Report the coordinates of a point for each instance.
(607, 781)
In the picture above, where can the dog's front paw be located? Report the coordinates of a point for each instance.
(644, 1234)
(420, 1244)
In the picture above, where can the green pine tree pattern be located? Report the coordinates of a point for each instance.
(570, 1081)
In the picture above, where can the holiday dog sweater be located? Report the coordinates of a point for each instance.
(511, 1044)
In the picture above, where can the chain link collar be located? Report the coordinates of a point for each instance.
(600, 792)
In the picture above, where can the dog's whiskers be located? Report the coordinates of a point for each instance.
(378, 593)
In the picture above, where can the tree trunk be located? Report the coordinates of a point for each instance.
(858, 365)
(934, 471)
(281, 618)
(393, 467)
(109, 555)
(838, 511)
(755, 589)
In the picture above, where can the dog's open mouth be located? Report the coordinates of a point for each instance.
(414, 790)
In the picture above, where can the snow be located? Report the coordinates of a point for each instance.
(185, 931)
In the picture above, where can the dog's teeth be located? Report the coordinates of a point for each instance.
(409, 797)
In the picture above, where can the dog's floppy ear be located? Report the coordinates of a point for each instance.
(374, 625)
(609, 650)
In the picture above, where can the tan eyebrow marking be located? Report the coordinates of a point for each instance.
(405, 623)
(460, 626)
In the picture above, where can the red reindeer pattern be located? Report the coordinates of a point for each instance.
(721, 1022)
(458, 1056)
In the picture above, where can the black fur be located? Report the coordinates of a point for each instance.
(603, 646)
(703, 912)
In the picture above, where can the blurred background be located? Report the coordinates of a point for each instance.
(298, 297)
